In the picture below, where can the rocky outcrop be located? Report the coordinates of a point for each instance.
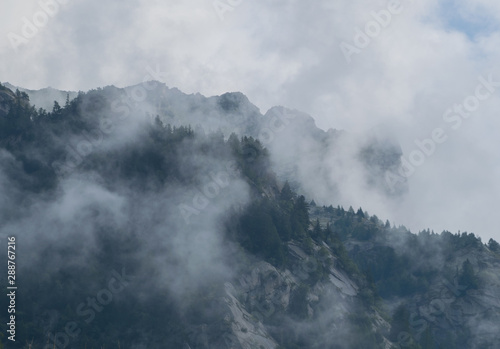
(259, 304)
(452, 306)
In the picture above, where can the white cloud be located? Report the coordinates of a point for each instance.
(287, 53)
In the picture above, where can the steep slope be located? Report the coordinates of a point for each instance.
(209, 249)
(142, 233)
(443, 290)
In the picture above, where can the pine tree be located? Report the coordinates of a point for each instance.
(56, 109)
(493, 245)
(317, 233)
(467, 276)
(234, 143)
(301, 211)
(286, 193)
(360, 213)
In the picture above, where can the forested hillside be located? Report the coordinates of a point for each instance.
(133, 232)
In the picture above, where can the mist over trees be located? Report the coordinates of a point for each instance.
(97, 196)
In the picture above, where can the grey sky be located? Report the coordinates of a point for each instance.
(425, 59)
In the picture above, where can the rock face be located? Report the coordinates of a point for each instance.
(452, 306)
(264, 304)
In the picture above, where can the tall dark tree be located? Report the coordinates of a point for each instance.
(360, 213)
(301, 212)
(467, 276)
(66, 105)
(493, 245)
(286, 193)
(317, 233)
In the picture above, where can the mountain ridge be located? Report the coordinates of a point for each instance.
(281, 129)
(252, 264)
